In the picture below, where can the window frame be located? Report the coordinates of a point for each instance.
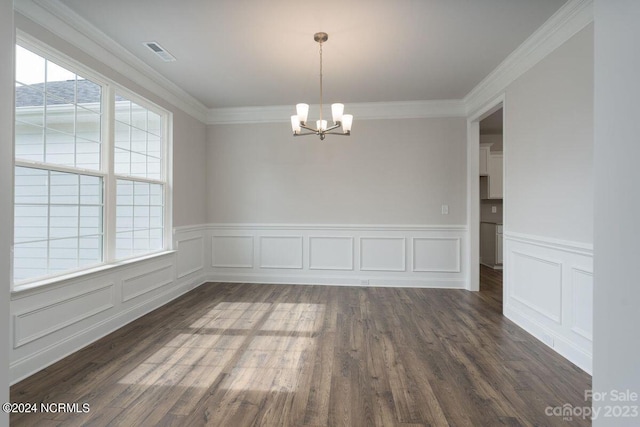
(107, 165)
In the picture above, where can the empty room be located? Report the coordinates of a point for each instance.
(356, 213)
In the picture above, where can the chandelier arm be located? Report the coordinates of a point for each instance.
(309, 128)
(338, 133)
(305, 134)
(337, 125)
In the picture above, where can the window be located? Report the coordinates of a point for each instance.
(138, 154)
(85, 151)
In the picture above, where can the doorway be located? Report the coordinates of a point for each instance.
(491, 200)
(486, 213)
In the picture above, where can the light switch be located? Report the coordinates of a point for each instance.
(494, 209)
(445, 209)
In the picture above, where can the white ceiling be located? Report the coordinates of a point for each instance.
(253, 52)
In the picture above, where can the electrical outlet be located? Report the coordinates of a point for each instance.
(445, 209)
(494, 209)
(364, 282)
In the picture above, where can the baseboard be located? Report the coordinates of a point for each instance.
(492, 266)
(389, 282)
(29, 365)
(568, 350)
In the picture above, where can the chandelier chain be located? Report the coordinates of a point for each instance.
(320, 82)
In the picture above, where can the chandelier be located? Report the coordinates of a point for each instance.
(299, 120)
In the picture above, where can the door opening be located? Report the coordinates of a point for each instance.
(491, 191)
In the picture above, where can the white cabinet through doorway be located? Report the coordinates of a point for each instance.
(495, 175)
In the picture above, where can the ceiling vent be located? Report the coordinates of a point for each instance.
(160, 51)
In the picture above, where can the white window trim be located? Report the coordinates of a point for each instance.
(109, 89)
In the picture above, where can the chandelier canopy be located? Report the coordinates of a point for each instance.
(299, 120)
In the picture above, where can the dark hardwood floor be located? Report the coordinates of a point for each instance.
(274, 355)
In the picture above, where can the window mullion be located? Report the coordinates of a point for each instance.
(109, 222)
(48, 222)
(79, 217)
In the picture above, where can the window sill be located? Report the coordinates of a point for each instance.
(30, 288)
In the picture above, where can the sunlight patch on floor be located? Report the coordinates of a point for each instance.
(271, 361)
(270, 364)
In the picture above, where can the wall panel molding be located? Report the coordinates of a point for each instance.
(232, 251)
(345, 254)
(281, 252)
(382, 254)
(54, 316)
(146, 281)
(430, 258)
(548, 291)
(331, 253)
(190, 257)
(578, 248)
(582, 299)
(531, 277)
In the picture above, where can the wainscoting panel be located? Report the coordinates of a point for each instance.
(537, 285)
(353, 255)
(436, 254)
(190, 257)
(330, 253)
(383, 254)
(281, 252)
(56, 315)
(582, 292)
(155, 277)
(232, 251)
(548, 290)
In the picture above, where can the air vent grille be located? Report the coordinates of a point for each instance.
(160, 51)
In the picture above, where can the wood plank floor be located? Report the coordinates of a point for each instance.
(272, 355)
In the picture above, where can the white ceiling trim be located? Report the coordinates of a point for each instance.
(360, 111)
(564, 24)
(65, 23)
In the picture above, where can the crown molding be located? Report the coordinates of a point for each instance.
(560, 27)
(74, 29)
(65, 23)
(361, 111)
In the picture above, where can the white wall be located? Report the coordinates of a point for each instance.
(6, 190)
(388, 172)
(549, 143)
(189, 168)
(617, 211)
(548, 204)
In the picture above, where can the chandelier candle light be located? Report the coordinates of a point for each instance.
(299, 120)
